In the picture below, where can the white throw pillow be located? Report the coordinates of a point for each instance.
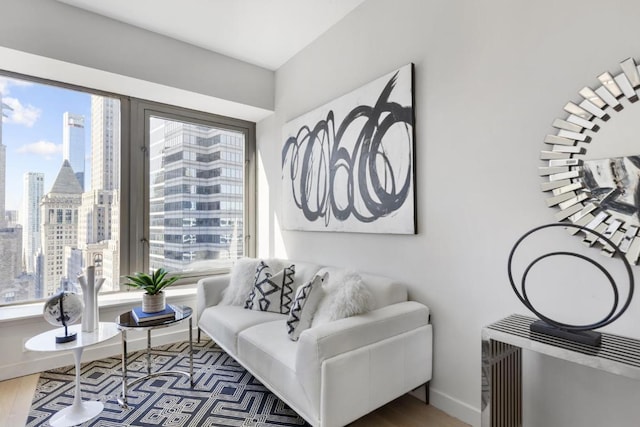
(345, 296)
(272, 292)
(305, 303)
(242, 280)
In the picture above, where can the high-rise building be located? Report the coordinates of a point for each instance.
(72, 268)
(39, 274)
(10, 264)
(11, 289)
(59, 229)
(196, 194)
(3, 166)
(73, 144)
(105, 143)
(98, 227)
(33, 190)
(95, 217)
(11, 217)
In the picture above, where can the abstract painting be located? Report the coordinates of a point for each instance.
(349, 164)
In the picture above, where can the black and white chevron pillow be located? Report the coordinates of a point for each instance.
(272, 292)
(306, 302)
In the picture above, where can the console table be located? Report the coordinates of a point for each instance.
(502, 344)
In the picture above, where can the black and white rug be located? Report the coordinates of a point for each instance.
(224, 393)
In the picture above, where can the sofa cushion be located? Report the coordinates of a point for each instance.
(304, 272)
(223, 323)
(272, 291)
(271, 357)
(384, 291)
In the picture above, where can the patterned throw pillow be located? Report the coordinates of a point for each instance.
(307, 298)
(272, 292)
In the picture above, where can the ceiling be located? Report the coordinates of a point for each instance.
(266, 33)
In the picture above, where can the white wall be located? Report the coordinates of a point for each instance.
(490, 77)
(55, 30)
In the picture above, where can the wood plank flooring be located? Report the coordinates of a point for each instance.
(406, 411)
(15, 400)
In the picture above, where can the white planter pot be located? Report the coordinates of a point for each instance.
(153, 303)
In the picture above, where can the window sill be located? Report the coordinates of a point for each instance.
(116, 299)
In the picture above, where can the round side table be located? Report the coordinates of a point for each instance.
(80, 411)
(127, 322)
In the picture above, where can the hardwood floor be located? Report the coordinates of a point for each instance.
(406, 411)
(15, 400)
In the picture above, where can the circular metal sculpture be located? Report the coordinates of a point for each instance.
(603, 194)
(579, 333)
(63, 309)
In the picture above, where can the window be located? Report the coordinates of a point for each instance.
(58, 160)
(197, 155)
(65, 150)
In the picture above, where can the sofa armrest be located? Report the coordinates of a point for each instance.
(209, 291)
(340, 336)
(331, 353)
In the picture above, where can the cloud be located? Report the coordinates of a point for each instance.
(41, 148)
(6, 82)
(23, 115)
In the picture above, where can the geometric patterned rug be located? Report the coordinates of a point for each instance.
(224, 393)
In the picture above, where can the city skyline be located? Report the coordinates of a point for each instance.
(195, 186)
(33, 132)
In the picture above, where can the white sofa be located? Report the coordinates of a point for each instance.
(338, 371)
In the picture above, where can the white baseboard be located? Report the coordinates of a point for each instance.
(454, 407)
(135, 341)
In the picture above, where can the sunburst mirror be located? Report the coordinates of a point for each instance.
(592, 162)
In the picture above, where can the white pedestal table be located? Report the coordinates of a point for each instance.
(80, 411)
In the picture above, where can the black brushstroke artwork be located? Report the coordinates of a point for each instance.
(377, 183)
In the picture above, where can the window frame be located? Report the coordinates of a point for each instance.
(137, 226)
(134, 149)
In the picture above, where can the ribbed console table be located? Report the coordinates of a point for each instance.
(502, 344)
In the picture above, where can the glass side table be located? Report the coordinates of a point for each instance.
(80, 411)
(126, 322)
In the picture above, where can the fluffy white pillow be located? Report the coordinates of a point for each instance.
(243, 276)
(345, 296)
(304, 306)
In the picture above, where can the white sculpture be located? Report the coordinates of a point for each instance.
(90, 288)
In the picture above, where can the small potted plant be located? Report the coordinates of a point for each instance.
(153, 299)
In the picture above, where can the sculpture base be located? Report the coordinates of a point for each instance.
(66, 338)
(583, 337)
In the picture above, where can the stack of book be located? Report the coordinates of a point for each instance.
(141, 317)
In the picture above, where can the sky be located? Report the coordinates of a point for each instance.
(32, 132)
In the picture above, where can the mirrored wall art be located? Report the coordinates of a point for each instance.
(592, 162)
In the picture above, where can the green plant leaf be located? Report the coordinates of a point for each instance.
(151, 283)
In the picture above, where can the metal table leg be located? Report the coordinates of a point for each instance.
(501, 384)
(190, 352)
(123, 399)
(148, 351)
